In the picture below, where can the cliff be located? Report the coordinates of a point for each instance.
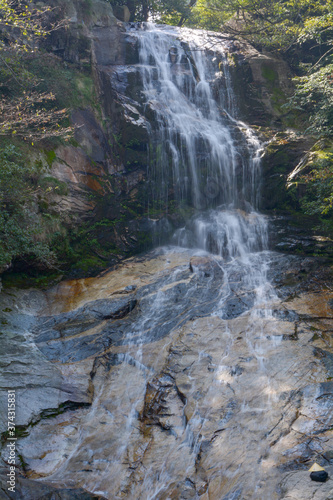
(98, 202)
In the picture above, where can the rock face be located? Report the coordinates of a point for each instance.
(261, 81)
(104, 172)
(172, 376)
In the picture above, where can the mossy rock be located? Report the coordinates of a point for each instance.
(89, 266)
(281, 156)
(268, 72)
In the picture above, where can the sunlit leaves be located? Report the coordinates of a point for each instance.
(314, 96)
(20, 23)
(25, 111)
(318, 199)
(27, 116)
(275, 25)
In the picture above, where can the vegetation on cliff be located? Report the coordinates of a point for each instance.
(20, 226)
(37, 91)
(25, 109)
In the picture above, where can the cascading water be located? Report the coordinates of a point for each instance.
(192, 390)
(202, 155)
(198, 151)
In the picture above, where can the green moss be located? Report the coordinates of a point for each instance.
(33, 280)
(278, 99)
(86, 89)
(23, 464)
(145, 240)
(133, 144)
(49, 183)
(50, 157)
(89, 265)
(20, 431)
(269, 73)
(72, 88)
(23, 430)
(86, 6)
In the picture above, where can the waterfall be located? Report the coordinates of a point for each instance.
(190, 382)
(198, 149)
(200, 154)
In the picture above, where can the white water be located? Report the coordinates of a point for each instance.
(214, 157)
(211, 160)
(197, 146)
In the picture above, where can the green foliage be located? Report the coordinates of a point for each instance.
(173, 12)
(25, 109)
(276, 25)
(32, 278)
(71, 87)
(88, 265)
(209, 15)
(50, 157)
(318, 199)
(48, 184)
(269, 73)
(21, 229)
(314, 96)
(21, 23)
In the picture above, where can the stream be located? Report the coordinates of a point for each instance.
(201, 369)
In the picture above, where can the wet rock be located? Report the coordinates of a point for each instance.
(163, 404)
(27, 489)
(285, 315)
(127, 289)
(204, 265)
(100, 324)
(173, 54)
(237, 305)
(85, 318)
(173, 386)
(234, 495)
(236, 370)
(90, 135)
(326, 357)
(328, 455)
(122, 13)
(297, 484)
(18, 361)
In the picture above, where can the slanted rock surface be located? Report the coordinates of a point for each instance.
(136, 381)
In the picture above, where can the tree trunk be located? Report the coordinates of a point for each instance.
(145, 10)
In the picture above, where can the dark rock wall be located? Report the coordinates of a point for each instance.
(105, 165)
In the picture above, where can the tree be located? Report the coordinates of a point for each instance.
(167, 11)
(275, 25)
(24, 110)
(20, 226)
(314, 97)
